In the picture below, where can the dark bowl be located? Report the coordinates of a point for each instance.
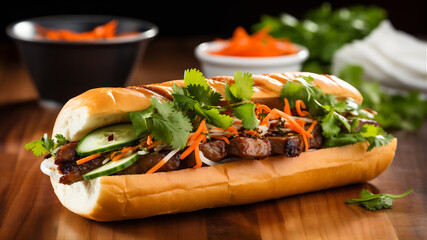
(64, 69)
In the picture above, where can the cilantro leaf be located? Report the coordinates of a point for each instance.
(229, 95)
(217, 119)
(204, 95)
(173, 129)
(330, 125)
(246, 112)
(375, 136)
(374, 202)
(195, 77)
(166, 123)
(37, 147)
(140, 120)
(60, 139)
(343, 139)
(48, 143)
(242, 89)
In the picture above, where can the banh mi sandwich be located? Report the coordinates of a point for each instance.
(185, 145)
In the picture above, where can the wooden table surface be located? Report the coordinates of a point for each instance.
(30, 209)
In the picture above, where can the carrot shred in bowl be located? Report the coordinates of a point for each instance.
(259, 44)
(105, 31)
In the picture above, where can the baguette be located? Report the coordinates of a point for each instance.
(122, 197)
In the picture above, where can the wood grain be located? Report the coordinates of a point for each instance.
(30, 210)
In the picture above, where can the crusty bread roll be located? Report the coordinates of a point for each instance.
(122, 197)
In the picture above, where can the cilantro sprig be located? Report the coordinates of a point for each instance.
(45, 144)
(199, 99)
(239, 94)
(374, 202)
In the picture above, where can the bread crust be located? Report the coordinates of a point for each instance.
(113, 198)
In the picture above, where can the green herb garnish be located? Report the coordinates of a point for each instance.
(399, 111)
(337, 129)
(323, 30)
(45, 144)
(164, 122)
(374, 202)
(171, 122)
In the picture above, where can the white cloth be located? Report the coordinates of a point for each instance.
(392, 57)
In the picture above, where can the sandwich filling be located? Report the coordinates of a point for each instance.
(201, 128)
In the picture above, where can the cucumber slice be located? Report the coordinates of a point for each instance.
(100, 140)
(112, 167)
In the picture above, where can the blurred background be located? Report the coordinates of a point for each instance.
(218, 18)
(184, 24)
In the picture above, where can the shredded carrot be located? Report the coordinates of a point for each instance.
(298, 127)
(287, 107)
(226, 140)
(304, 138)
(193, 146)
(88, 158)
(261, 108)
(271, 116)
(149, 140)
(117, 155)
(105, 31)
(298, 105)
(233, 130)
(153, 145)
(200, 128)
(253, 133)
(313, 124)
(156, 167)
(300, 122)
(260, 44)
(198, 159)
(123, 152)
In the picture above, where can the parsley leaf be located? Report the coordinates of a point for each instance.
(374, 202)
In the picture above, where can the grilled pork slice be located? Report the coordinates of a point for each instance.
(290, 146)
(73, 173)
(250, 147)
(214, 150)
(67, 154)
(317, 140)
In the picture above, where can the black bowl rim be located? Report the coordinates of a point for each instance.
(150, 33)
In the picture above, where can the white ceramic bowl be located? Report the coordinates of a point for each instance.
(218, 65)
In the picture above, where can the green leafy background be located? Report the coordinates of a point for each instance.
(323, 31)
